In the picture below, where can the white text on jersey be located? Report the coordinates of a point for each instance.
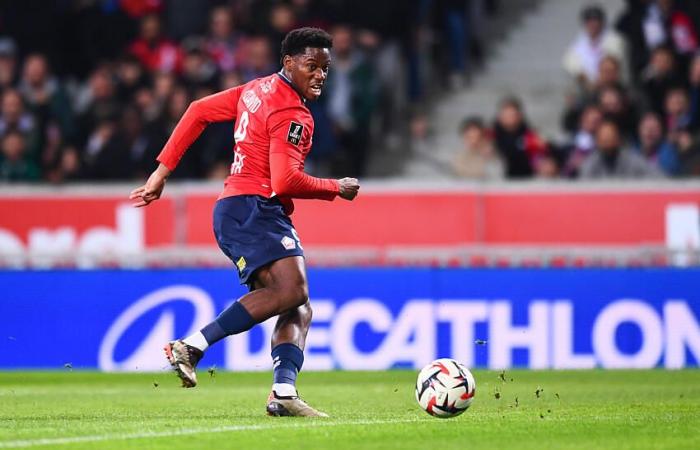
(251, 101)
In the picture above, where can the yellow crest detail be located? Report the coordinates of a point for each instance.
(241, 263)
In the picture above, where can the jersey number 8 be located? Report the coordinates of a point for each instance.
(242, 127)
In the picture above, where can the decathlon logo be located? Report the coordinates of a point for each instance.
(148, 354)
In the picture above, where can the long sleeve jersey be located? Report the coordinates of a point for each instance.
(273, 134)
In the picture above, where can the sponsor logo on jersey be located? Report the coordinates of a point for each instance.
(237, 165)
(288, 243)
(241, 264)
(294, 134)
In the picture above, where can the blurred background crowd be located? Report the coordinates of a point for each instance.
(632, 110)
(91, 89)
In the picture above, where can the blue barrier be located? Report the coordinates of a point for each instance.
(363, 318)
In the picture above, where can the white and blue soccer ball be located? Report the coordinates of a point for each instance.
(445, 388)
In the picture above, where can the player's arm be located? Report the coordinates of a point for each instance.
(218, 107)
(287, 176)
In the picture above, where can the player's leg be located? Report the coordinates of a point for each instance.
(280, 286)
(289, 336)
(288, 342)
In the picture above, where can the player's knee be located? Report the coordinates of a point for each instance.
(291, 296)
(305, 313)
(299, 295)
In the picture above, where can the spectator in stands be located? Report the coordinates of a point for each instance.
(630, 25)
(69, 167)
(282, 20)
(351, 93)
(229, 80)
(688, 152)
(618, 107)
(547, 166)
(140, 142)
(612, 160)
(478, 158)
(44, 96)
(677, 110)
(15, 118)
(104, 157)
(609, 76)
(659, 77)
(15, 164)
(130, 76)
(152, 101)
(8, 64)
(223, 42)
(144, 98)
(154, 51)
(457, 36)
(694, 92)
(609, 73)
(96, 101)
(421, 136)
(199, 71)
(583, 143)
(648, 24)
(655, 147)
(256, 58)
(517, 143)
(675, 27)
(584, 55)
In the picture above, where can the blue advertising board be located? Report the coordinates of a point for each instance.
(365, 319)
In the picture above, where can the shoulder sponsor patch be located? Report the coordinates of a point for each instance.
(294, 134)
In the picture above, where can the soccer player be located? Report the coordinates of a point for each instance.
(273, 131)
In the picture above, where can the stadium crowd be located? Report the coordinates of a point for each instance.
(91, 89)
(633, 110)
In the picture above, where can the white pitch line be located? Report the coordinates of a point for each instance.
(185, 432)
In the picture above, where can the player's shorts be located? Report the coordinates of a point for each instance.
(254, 231)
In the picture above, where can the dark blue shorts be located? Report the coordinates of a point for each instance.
(254, 231)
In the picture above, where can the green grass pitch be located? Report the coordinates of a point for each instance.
(517, 409)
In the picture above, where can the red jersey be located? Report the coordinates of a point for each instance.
(273, 134)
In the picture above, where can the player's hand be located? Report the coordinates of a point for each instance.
(152, 189)
(349, 187)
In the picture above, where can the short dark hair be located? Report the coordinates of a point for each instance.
(471, 121)
(593, 12)
(511, 101)
(298, 40)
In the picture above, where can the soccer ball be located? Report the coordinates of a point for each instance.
(445, 388)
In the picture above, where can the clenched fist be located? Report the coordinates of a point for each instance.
(349, 187)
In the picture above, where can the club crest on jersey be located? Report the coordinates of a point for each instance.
(294, 134)
(241, 264)
(288, 243)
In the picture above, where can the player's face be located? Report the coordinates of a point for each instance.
(308, 71)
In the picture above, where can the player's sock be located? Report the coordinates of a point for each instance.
(287, 360)
(233, 320)
(284, 389)
(197, 340)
